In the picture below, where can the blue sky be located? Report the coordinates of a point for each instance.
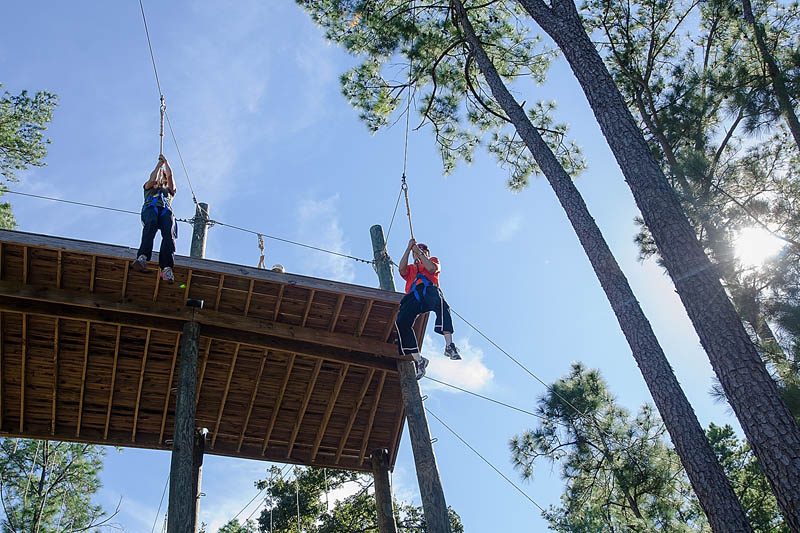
(269, 142)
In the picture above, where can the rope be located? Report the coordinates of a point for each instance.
(485, 460)
(161, 130)
(261, 248)
(71, 202)
(389, 232)
(404, 188)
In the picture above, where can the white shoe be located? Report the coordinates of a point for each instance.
(167, 275)
(452, 352)
(140, 264)
(421, 365)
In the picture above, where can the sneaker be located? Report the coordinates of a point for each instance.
(140, 264)
(167, 275)
(421, 365)
(452, 352)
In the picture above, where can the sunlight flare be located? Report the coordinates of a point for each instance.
(755, 245)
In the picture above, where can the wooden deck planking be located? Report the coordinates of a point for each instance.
(117, 390)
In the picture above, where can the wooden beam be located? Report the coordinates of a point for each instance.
(113, 381)
(354, 414)
(277, 407)
(252, 400)
(278, 303)
(356, 355)
(125, 254)
(169, 388)
(225, 394)
(124, 279)
(22, 372)
(302, 412)
(170, 317)
(141, 382)
(55, 378)
(249, 297)
(364, 317)
(25, 252)
(58, 270)
(188, 285)
(372, 412)
(327, 416)
(83, 377)
(202, 373)
(219, 297)
(308, 307)
(390, 326)
(93, 273)
(337, 310)
(158, 283)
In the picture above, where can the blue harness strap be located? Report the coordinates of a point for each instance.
(154, 204)
(425, 284)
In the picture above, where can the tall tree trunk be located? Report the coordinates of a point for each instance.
(769, 426)
(706, 475)
(775, 74)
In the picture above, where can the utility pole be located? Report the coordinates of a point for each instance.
(200, 231)
(430, 484)
(188, 444)
(383, 491)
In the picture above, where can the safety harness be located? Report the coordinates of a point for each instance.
(154, 203)
(425, 284)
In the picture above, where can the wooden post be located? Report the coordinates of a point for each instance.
(200, 231)
(430, 485)
(383, 491)
(197, 472)
(181, 494)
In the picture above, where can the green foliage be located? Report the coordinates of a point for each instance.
(691, 73)
(620, 474)
(47, 486)
(356, 512)
(748, 480)
(413, 47)
(234, 526)
(23, 119)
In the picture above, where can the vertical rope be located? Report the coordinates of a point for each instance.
(408, 207)
(161, 131)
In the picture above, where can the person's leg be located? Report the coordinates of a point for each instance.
(406, 338)
(150, 226)
(434, 301)
(166, 254)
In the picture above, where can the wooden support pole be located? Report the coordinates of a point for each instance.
(430, 485)
(182, 498)
(383, 491)
(200, 232)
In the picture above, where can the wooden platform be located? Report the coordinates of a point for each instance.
(291, 368)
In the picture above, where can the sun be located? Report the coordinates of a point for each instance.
(755, 245)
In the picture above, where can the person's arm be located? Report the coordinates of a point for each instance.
(403, 266)
(429, 265)
(170, 181)
(149, 184)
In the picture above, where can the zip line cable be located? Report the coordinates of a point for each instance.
(272, 478)
(485, 398)
(189, 221)
(158, 512)
(163, 108)
(485, 460)
(150, 46)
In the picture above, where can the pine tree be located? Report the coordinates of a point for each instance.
(449, 56)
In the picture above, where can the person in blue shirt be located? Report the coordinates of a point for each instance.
(157, 215)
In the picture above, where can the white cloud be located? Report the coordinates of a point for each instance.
(508, 227)
(319, 226)
(469, 373)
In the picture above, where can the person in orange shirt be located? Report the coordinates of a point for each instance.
(422, 295)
